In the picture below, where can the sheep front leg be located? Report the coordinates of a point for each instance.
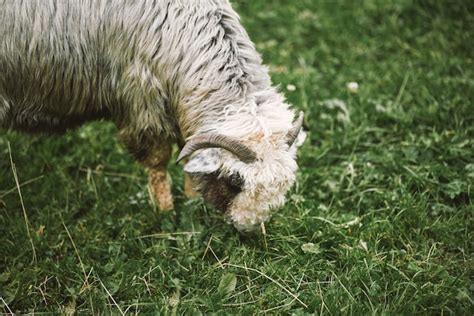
(155, 156)
(188, 187)
(159, 183)
(160, 189)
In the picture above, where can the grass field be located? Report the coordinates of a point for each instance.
(380, 221)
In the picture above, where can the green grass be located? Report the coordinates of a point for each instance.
(380, 221)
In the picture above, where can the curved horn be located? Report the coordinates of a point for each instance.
(213, 140)
(295, 130)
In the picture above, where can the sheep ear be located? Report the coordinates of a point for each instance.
(300, 138)
(204, 161)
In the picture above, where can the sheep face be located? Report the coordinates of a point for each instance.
(248, 193)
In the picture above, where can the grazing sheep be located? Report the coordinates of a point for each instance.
(164, 72)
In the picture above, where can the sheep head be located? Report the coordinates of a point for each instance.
(245, 179)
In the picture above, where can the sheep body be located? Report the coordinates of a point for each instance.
(163, 72)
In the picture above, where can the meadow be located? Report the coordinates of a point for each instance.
(379, 222)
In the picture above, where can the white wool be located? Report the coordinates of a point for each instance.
(266, 182)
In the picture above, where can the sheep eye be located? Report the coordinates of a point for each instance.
(236, 180)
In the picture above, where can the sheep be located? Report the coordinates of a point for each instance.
(164, 72)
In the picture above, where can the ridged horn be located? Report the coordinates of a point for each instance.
(295, 130)
(213, 140)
